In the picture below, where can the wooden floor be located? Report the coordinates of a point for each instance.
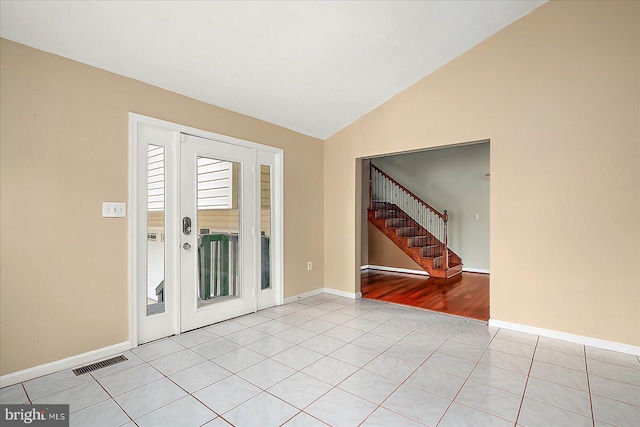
(466, 294)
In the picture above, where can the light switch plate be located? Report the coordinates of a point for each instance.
(114, 210)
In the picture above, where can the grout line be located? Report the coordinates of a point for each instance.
(379, 405)
(415, 370)
(466, 379)
(358, 369)
(25, 393)
(526, 384)
(586, 369)
(112, 398)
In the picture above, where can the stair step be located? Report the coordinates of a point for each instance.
(437, 262)
(413, 239)
(396, 222)
(431, 251)
(421, 241)
(448, 273)
(387, 213)
(439, 256)
(381, 205)
(407, 231)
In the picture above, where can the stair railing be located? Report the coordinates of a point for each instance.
(388, 194)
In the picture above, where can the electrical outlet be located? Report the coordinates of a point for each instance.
(309, 266)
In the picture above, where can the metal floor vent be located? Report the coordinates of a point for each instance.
(98, 365)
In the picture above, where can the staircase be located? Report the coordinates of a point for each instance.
(414, 226)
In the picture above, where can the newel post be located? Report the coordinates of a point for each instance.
(445, 264)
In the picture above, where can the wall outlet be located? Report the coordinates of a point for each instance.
(309, 266)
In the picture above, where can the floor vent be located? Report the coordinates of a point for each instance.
(98, 365)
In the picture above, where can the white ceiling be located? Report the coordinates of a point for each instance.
(310, 66)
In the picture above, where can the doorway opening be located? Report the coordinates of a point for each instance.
(424, 233)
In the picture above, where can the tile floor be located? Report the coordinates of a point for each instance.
(328, 360)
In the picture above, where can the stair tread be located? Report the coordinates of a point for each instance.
(413, 239)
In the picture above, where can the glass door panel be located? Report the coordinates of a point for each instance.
(265, 225)
(268, 244)
(155, 229)
(218, 224)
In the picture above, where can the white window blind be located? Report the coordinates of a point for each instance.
(215, 177)
(215, 189)
(155, 178)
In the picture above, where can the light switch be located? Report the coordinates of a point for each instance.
(114, 210)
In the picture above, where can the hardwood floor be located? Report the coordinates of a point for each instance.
(466, 294)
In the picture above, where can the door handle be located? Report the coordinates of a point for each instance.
(186, 246)
(186, 225)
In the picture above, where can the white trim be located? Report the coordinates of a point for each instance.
(394, 269)
(476, 270)
(421, 272)
(257, 224)
(139, 118)
(304, 295)
(352, 295)
(578, 339)
(62, 364)
(278, 220)
(132, 243)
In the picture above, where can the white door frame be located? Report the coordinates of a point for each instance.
(137, 212)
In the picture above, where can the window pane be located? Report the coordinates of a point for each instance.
(265, 223)
(155, 229)
(218, 226)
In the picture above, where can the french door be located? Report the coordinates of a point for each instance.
(206, 230)
(217, 276)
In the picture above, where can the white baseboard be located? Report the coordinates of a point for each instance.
(322, 291)
(578, 339)
(352, 295)
(476, 270)
(304, 295)
(62, 364)
(421, 272)
(394, 269)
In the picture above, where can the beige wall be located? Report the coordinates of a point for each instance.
(64, 282)
(558, 95)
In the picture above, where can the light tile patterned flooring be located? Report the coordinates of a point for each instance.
(328, 360)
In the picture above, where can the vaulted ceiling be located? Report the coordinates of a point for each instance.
(310, 66)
